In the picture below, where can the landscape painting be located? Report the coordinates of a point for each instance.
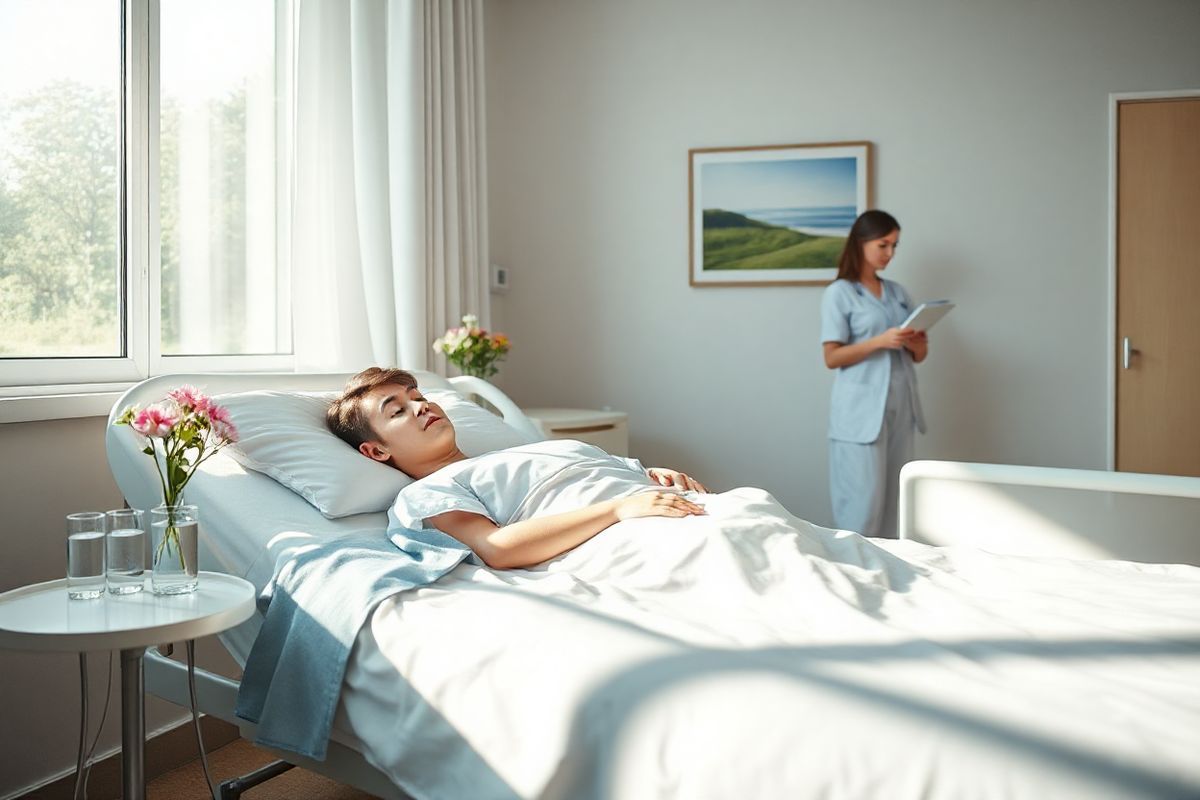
(776, 214)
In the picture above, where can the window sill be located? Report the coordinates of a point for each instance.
(39, 403)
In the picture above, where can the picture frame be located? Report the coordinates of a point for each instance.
(773, 215)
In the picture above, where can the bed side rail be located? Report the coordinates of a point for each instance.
(216, 695)
(509, 411)
(1049, 511)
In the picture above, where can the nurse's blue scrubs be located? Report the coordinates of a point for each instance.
(874, 409)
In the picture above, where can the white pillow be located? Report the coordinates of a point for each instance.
(283, 434)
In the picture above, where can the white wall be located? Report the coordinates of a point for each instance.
(989, 120)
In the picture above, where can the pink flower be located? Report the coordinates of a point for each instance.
(225, 431)
(218, 413)
(191, 427)
(188, 396)
(222, 423)
(156, 421)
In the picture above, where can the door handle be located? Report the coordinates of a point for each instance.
(1127, 352)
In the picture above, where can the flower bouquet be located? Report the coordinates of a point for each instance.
(188, 428)
(472, 349)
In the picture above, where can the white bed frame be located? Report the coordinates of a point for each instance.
(216, 695)
(1009, 509)
(1052, 512)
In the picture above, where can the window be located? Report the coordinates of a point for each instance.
(59, 186)
(143, 201)
(217, 181)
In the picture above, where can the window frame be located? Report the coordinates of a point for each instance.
(43, 382)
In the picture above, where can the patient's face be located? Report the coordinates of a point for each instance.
(411, 432)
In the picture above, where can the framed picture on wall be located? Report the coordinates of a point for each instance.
(773, 215)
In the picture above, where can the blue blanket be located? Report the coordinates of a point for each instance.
(318, 599)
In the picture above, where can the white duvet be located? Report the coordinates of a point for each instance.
(750, 654)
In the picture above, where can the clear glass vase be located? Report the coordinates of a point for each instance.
(175, 545)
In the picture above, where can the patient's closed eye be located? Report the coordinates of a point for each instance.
(401, 406)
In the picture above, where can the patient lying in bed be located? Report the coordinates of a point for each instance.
(732, 651)
(513, 508)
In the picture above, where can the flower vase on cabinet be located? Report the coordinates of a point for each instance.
(175, 538)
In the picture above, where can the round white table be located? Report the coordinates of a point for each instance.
(41, 617)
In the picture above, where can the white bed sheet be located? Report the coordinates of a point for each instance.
(716, 657)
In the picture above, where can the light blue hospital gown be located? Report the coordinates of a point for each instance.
(874, 408)
(519, 483)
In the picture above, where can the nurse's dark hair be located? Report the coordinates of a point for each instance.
(346, 416)
(873, 224)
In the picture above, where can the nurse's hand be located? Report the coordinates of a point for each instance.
(895, 338)
(918, 346)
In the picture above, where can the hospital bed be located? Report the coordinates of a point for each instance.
(869, 669)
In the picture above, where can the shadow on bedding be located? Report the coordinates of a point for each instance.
(620, 700)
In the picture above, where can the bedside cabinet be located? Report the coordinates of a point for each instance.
(608, 430)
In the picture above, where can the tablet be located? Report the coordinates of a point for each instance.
(927, 314)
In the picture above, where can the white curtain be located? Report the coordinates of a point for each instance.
(389, 226)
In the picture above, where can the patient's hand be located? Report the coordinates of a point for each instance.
(656, 504)
(670, 477)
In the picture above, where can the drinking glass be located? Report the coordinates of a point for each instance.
(126, 551)
(85, 555)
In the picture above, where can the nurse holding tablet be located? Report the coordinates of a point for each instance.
(874, 408)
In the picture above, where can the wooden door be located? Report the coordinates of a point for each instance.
(1158, 286)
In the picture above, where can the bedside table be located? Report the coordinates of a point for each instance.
(608, 430)
(41, 617)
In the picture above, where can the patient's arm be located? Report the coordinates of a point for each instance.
(532, 541)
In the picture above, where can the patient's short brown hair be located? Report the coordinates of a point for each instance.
(346, 416)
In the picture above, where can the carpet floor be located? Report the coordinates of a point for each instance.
(239, 758)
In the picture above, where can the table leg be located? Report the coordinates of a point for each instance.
(83, 726)
(133, 724)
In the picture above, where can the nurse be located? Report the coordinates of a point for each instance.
(875, 408)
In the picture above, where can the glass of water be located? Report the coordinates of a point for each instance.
(126, 551)
(85, 555)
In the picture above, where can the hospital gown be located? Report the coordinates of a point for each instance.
(519, 483)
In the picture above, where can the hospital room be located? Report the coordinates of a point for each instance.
(622, 400)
